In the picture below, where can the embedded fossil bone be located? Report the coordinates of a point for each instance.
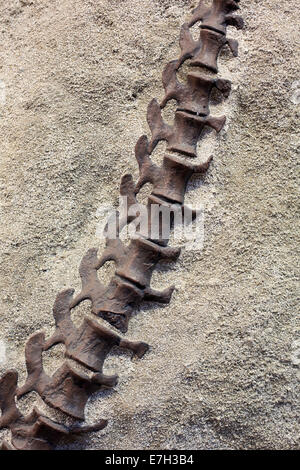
(188, 129)
(218, 17)
(169, 180)
(143, 256)
(68, 390)
(184, 135)
(194, 96)
(120, 300)
(205, 51)
(188, 45)
(114, 302)
(211, 45)
(129, 287)
(90, 344)
(175, 176)
(172, 213)
(8, 386)
(119, 220)
(35, 431)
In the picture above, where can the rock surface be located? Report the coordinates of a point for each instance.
(75, 81)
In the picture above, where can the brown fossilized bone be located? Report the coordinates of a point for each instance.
(218, 17)
(211, 45)
(143, 256)
(183, 137)
(68, 389)
(194, 96)
(91, 343)
(205, 51)
(35, 431)
(169, 180)
(116, 302)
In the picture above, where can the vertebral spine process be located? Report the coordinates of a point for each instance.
(68, 389)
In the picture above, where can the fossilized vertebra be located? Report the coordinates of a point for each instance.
(68, 389)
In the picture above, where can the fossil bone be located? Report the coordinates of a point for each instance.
(194, 96)
(205, 51)
(90, 344)
(211, 45)
(169, 180)
(35, 431)
(218, 17)
(68, 389)
(185, 134)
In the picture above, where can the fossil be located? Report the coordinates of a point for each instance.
(69, 388)
(192, 97)
(91, 343)
(170, 180)
(184, 135)
(218, 17)
(205, 51)
(35, 431)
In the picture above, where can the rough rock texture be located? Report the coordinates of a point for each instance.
(75, 81)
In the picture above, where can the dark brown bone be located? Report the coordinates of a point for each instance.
(92, 288)
(187, 45)
(8, 386)
(218, 17)
(211, 45)
(35, 431)
(206, 50)
(67, 390)
(195, 94)
(164, 207)
(171, 179)
(121, 298)
(173, 214)
(176, 174)
(184, 136)
(142, 258)
(187, 131)
(25, 431)
(118, 220)
(116, 302)
(90, 344)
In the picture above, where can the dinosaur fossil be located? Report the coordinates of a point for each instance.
(69, 389)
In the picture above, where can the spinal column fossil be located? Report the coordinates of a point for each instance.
(68, 389)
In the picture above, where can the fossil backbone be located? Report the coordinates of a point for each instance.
(69, 389)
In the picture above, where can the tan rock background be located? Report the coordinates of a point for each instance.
(75, 80)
